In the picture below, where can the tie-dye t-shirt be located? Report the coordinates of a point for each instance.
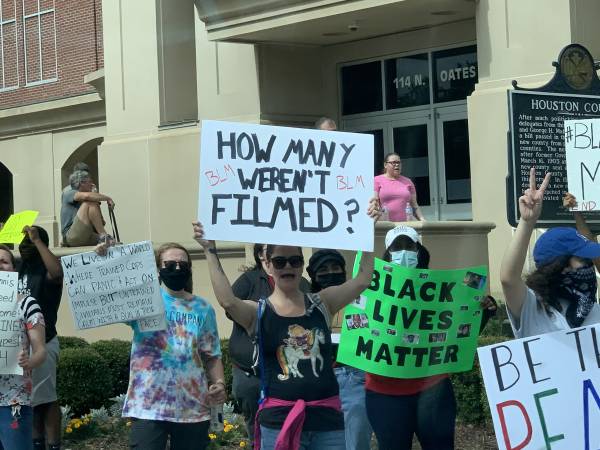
(167, 379)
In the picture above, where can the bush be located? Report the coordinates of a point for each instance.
(71, 342)
(84, 379)
(471, 399)
(116, 354)
(227, 367)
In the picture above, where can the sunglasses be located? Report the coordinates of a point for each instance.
(172, 265)
(279, 262)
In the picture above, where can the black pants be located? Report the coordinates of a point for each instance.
(153, 434)
(430, 414)
(246, 391)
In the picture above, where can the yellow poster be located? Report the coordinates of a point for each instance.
(12, 232)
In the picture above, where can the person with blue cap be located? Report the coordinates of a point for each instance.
(561, 293)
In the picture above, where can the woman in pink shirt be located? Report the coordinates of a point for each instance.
(396, 192)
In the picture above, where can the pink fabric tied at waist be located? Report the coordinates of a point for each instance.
(289, 436)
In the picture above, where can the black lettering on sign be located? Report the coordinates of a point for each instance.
(365, 348)
(244, 147)
(498, 366)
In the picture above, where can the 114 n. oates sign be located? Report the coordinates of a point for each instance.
(544, 391)
(283, 185)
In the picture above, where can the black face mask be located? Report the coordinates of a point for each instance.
(176, 280)
(330, 279)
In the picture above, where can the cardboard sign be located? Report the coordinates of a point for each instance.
(10, 324)
(287, 186)
(582, 146)
(544, 391)
(12, 231)
(119, 287)
(414, 323)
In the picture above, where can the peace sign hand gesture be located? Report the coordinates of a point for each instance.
(530, 203)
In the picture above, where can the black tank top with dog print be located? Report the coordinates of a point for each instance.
(297, 355)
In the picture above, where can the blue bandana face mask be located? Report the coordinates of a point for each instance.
(406, 258)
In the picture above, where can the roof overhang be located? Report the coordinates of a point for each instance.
(324, 22)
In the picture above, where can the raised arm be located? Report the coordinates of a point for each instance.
(242, 311)
(337, 297)
(51, 262)
(530, 207)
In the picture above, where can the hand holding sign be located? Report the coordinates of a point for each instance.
(530, 203)
(13, 230)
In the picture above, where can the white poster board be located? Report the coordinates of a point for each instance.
(282, 185)
(119, 287)
(544, 391)
(582, 147)
(10, 324)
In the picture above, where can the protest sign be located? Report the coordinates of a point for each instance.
(10, 324)
(119, 287)
(284, 185)
(12, 231)
(582, 147)
(414, 323)
(544, 391)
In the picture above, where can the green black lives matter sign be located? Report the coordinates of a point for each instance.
(414, 323)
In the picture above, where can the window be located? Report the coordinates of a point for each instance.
(407, 81)
(361, 88)
(39, 41)
(9, 59)
(455, 73)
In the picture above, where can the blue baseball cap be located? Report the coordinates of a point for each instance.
(563, 241)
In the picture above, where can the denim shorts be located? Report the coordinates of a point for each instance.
(16, 432)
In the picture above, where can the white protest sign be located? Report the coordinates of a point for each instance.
(119, 287)
(544, 391)
(10, 324)
(582, 150)
(282, 185)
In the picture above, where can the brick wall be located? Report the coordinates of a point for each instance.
(77, 52)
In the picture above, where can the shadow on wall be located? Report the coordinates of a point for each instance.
(87, 153)
(6, 193)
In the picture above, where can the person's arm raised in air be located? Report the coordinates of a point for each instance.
(530, 208)
(569, 201)
(51, 262)
(240, 310)
(336, 297)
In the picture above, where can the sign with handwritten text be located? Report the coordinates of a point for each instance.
(582, 147)
(285, 185)
(119, 287)
(10, 324)
(12, 231)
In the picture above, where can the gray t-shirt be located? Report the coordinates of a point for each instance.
(536, 320)
(68, 209)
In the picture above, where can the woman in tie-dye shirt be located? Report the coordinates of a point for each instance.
(175, 374)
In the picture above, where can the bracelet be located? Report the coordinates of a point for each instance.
(221, 382)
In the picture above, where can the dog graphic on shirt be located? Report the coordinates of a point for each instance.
(301, 344)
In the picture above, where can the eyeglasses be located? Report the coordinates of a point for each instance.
(172, 265)
(394, 163)
(279, 262)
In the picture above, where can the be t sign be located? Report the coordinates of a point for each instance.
(283, 185)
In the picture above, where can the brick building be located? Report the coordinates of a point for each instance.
(50, 54)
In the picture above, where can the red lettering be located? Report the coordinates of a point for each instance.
(500, 407)
(341, 183)
(213, 179)
(359, 179)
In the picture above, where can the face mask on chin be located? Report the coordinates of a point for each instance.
(176, 280)
(405, 258)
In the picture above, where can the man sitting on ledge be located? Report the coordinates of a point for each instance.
(80, 214)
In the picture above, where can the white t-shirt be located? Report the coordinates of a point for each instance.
(536, 319)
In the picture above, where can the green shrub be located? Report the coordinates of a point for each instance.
(227, 367)
(471, 399)
(116, 354)
(84, 379)
(71, 342)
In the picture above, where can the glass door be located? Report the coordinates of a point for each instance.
(412, 138)
(454, 172)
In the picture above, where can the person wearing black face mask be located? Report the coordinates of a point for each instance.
(41, 276)
(327, 268)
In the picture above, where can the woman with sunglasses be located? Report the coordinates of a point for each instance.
(302, 409)
(396, 192)
(175, 374)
